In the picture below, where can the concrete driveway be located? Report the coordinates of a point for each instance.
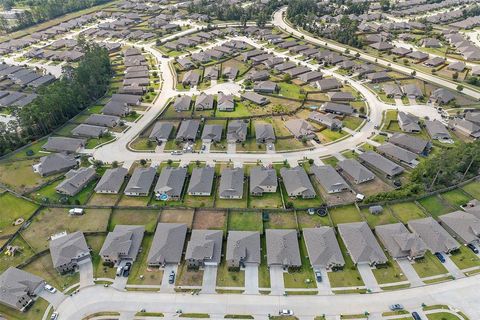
(55, 299)
(231, 148)
(276, 280)
(85, 268)
(270, 148)
(410, 272)
(120, 282)
(165, 286)
(251, 279)
(368, 277)
(324, 286)
(452, 268)
(209, 281)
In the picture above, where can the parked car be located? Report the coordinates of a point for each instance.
(126, 269)
(54, 316)
(396, 307)
(49, 288)
(119, 271)
(440, 257)
(318, 276)
(171, 277)
(472, 247)
(416, 316)
(286, 312)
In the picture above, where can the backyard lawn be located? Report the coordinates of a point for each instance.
(13, 208)
(19, 175)
(345, 214)
(245, 221)
(373, 220)
(24, 252)
(267, 200)
(349, 276)
(473, 189)
(147, 218)
(281, 220)
(435, 205)
(407, 211)
(456, 197)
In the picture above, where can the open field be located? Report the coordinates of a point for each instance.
(14, 208)
(19, 175)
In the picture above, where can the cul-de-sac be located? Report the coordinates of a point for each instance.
(225, 159)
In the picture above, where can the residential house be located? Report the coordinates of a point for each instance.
(437, 130)
(327, 120)
(255, 98)
(64, 144)
(463, 225)
(225, 102)
(398, 154)
(399, 242)
(212, 133)
(201, 181)
(68, 250)
(389, 168)
(337, 108)
(89, 131)
(323, 249)
(76, 180)
(204, 248)
(329, 179)
(266, 87)
(434, 236)
(413, 144)
(188, 130)
(54, 163)
(408, 122)
(161, 132)
(111, 181)
(361, 244)
(300, 129)
(204, 102)
(355, 171)
(140, 182)
(182, 103)
(167, 244)
(263, 180)
(19, 288)
(170, 183)
(122, 244)
(264, 133)
(236, 131)
(231, 183)
(243, 248)
(297, 183)
(103, 120)
(282, 248)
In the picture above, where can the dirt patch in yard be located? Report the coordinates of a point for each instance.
(177, 216)
(206, 219)
(372, 187)
(189, 277)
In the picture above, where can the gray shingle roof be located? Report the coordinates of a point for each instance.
(264, 133)
(141, 181)
(205, 246)
(68, 248)
(55, 163)
(262, 179)
(282, 247)
(337, 108)
(437, 130)
(399, 154)
(464, 225)
(123, 242)
(356, 171)
(87, 130)
(408, 142)
(361, 243)
(60, 144)
(112, 180)
(161, 131)
(435, 237)
(17, 287)
(188, 130)
(201, 181)
(237, 130)
(171, 181)
(212, 132)
(75, 181)
(231, 183)
(323, 248)
(103, 120)
(167, 244)
(329, 178)
(297, 183)
(243, 247)
(400, 242)
(381, 163)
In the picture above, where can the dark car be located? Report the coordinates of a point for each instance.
(416, 316)
(440, 257)
(318, 276)
(171, 277)
(397, 183)
(126, 269)
(472, 247)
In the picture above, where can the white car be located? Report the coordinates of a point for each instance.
(49, 288)
(54, 316)
(286, 312)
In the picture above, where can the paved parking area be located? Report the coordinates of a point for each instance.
(85, 268)
(276, 280)
(251, 279)
(165, 286)
(410, 272)
(452, 268)
(368, 277)
(209, 279)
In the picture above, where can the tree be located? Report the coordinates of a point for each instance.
(143, 162)
(459, 87)
(385, 5)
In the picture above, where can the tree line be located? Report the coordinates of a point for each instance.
(60, 101)
(43, 10)
(443, 169)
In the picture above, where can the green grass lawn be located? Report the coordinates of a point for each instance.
(34, 313)
(389, 274)
(435, 205)
(147, 218)
(54, 220)
(407, 211)
(267, 200)
(473, 189)
(19, 175)
(303, 277)
(23, 254)
(92, 143)
(442, 316)
(345, 214)
(332, 161)
(311, 221)
(141, 274)
(99, 271)
(13, 208)
(49, 194)
(290, 90)
(456, 197)
(198, 201)
(429, 266)
(281, 220)
(349, 276)
(465, 258)
(299, 203)
(373, 220)
(226, 278)
(352, 122)
(263, 272)
(245, 221)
